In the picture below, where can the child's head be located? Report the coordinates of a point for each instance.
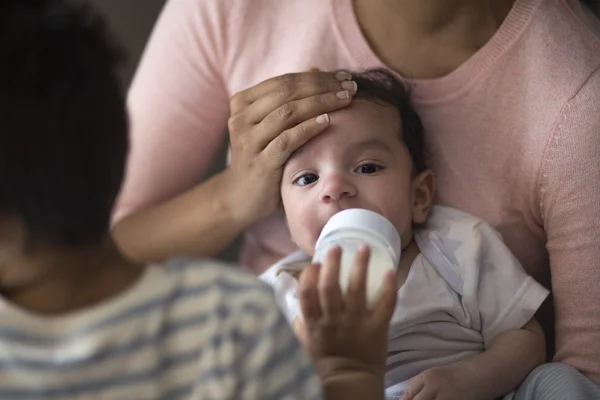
(372, 156)
(63, 126)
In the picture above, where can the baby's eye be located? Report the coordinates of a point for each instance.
(369, 168)
(306, 179)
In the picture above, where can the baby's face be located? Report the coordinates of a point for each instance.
(358, 162)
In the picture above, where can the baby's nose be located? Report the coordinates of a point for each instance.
(336, 188)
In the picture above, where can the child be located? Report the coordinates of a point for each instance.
(464, 323)
(77, 320)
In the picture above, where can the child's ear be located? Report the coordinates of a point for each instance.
(423, 191)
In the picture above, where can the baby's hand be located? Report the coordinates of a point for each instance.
(449, 382)
(340, 332)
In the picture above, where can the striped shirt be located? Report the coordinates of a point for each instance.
(185, 330)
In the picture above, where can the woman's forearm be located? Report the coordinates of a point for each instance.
(200, 222)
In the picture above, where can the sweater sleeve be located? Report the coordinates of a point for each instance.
(569, 189)
(178, 104)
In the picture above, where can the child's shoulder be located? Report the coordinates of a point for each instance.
(217, 284)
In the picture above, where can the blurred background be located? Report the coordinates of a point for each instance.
(131, 21)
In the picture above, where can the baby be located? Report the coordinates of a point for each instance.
(464, 322)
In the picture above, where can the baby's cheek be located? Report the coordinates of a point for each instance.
(304, 230)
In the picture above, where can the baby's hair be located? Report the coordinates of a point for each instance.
(383, 87)
(63, 124)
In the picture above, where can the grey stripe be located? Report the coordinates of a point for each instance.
(24, 365)
(292, 387)
(133, 378)
(87, 387)
(181, 392)
(285, 353)
(16, 336)
(251, 343)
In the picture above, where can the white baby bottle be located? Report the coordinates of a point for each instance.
(349, 229)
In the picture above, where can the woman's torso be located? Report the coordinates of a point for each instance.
(487, 123)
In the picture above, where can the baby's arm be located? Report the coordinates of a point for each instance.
(489, 375)
(347, 341)
(501, 301)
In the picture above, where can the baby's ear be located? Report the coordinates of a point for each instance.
(423, 192)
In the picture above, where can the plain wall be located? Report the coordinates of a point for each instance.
(131, 21)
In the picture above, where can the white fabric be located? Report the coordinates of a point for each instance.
(462, 291)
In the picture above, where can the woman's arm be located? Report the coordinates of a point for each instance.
(199, 222)
(179, 109)
(569, 190)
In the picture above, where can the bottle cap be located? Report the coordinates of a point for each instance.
(365, 220)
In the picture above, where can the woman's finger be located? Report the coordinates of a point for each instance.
(281, 147)
(386, 304)
(308, 293)
(289, 93)
(330, 294)
(288, 86)
(355, 299)
(291, 114)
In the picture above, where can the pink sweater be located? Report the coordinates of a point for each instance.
(514, 132)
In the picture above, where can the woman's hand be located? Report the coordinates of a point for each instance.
(347, 340)
(268, 123)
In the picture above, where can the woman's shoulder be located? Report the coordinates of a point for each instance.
(565, 35)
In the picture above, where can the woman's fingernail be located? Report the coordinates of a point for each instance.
(343, 76)
(350, 85)
(343, 95)
(322, 119)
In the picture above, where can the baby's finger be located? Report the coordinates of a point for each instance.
(386, 303)
(425, 394)
(299, 328)
(356, 297)
(415, 386)
(329, 287)
(308, 293)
